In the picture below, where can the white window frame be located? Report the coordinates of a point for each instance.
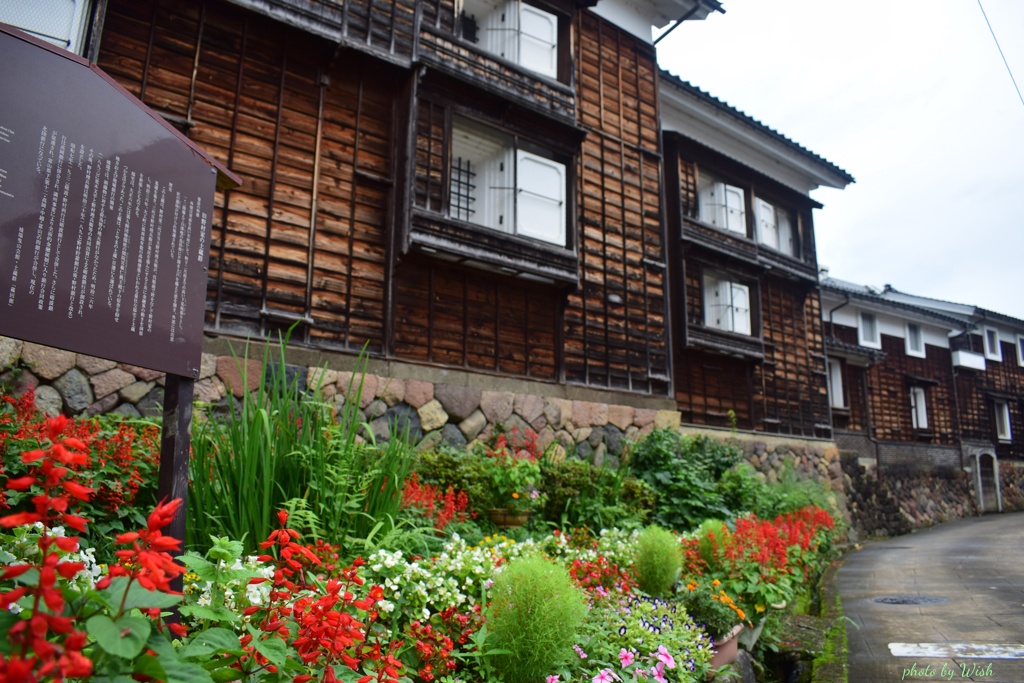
(722, 205)
(1004, 430)
(37, 18)
(522, 33)
(514, 191)
(836, 393)
(874, 342)
(1020, 350)
(919, 352)
(992, 351)
(724, 307)
(919, 407)
(774, 227)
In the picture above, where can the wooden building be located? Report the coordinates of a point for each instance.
(987, 365)
(748, 344)
(890, 377)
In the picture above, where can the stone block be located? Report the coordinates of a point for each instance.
(230, 371)
(133, 393)
(418, 393)
(453, 436)
(644, 417)
(589, 414)
(10, 351)
(667, 419)
(127, 410)
(458, 401)
(102, 406)
(558, 412)
(207, 365)
(621, 416)
(375, 408)
(497, 405)
(152, 404)
(91, 365)
(144, 374)
(404, 419)
(19, 381)
(392, 391)
(473, 425)
(432, 416)
(110, 382)
(47, 362)
(209, 390)
(530, 407)
(49, 401)
(73, 385)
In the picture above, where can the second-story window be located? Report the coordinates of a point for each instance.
(497, 184)
(992, 348)
(867, 331)
(915, 341)
(722, 205)
(1003, 429)
(726, 304)
(61, 22)
(836, 392)
(918, 407)
(775, 227)
(1020, 349)
(514, 30)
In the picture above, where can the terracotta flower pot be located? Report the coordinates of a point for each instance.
(727, 648)
(508, 519)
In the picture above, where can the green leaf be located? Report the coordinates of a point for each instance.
(173, 668)
(210, 641)
(122, 638)
(143, 598)
(272, 648)
(218, 614)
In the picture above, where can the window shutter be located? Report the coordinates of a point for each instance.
(538, 41)
(787, 244)
(540, 198)
(740, 308)
(499, 189)
(713, 303)
(500, 30)
(735, 210)
(919, 408)
(835, 384)
(767, 228)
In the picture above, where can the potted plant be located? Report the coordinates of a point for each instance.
(709, 605)
(510, 468)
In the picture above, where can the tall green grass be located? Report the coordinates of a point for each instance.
(281, 448)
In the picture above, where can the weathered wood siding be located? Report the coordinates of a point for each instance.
(888, 385)
(311, 138)
(616, 326)
(978, 391)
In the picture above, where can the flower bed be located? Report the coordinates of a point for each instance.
(447, 607)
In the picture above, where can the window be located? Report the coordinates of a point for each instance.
(61, 22)
(992, 348)
(497, 185)
(726, 304)
(835, 384)
(1020, 349)
(915, 340)
(520, 33)
(721, 205)
(1003, 430)
(918, 408)
(775, 227)
(867, 331)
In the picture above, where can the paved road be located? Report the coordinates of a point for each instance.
(971, 630)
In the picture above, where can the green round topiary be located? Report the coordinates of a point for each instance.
(535, 614)
(658, 561)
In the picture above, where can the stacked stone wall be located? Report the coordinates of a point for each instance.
(1011, 483)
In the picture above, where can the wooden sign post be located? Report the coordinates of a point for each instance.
(104, 228)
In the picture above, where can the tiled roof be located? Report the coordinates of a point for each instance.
(874, 295)
(727, 108)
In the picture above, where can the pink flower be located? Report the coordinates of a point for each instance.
(626, 657)
(552, 679)
(606, 676)
(579, 651)
(659, 673)
(664, 658)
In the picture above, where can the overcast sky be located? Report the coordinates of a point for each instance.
(911, 97)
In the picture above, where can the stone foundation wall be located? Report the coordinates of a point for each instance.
(898, 500)
(1011, 483)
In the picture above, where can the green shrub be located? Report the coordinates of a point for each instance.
(685, 471)
(658, 561)
(534, 616)
(581, 494)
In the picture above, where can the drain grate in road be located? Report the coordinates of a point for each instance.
(912, 600)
